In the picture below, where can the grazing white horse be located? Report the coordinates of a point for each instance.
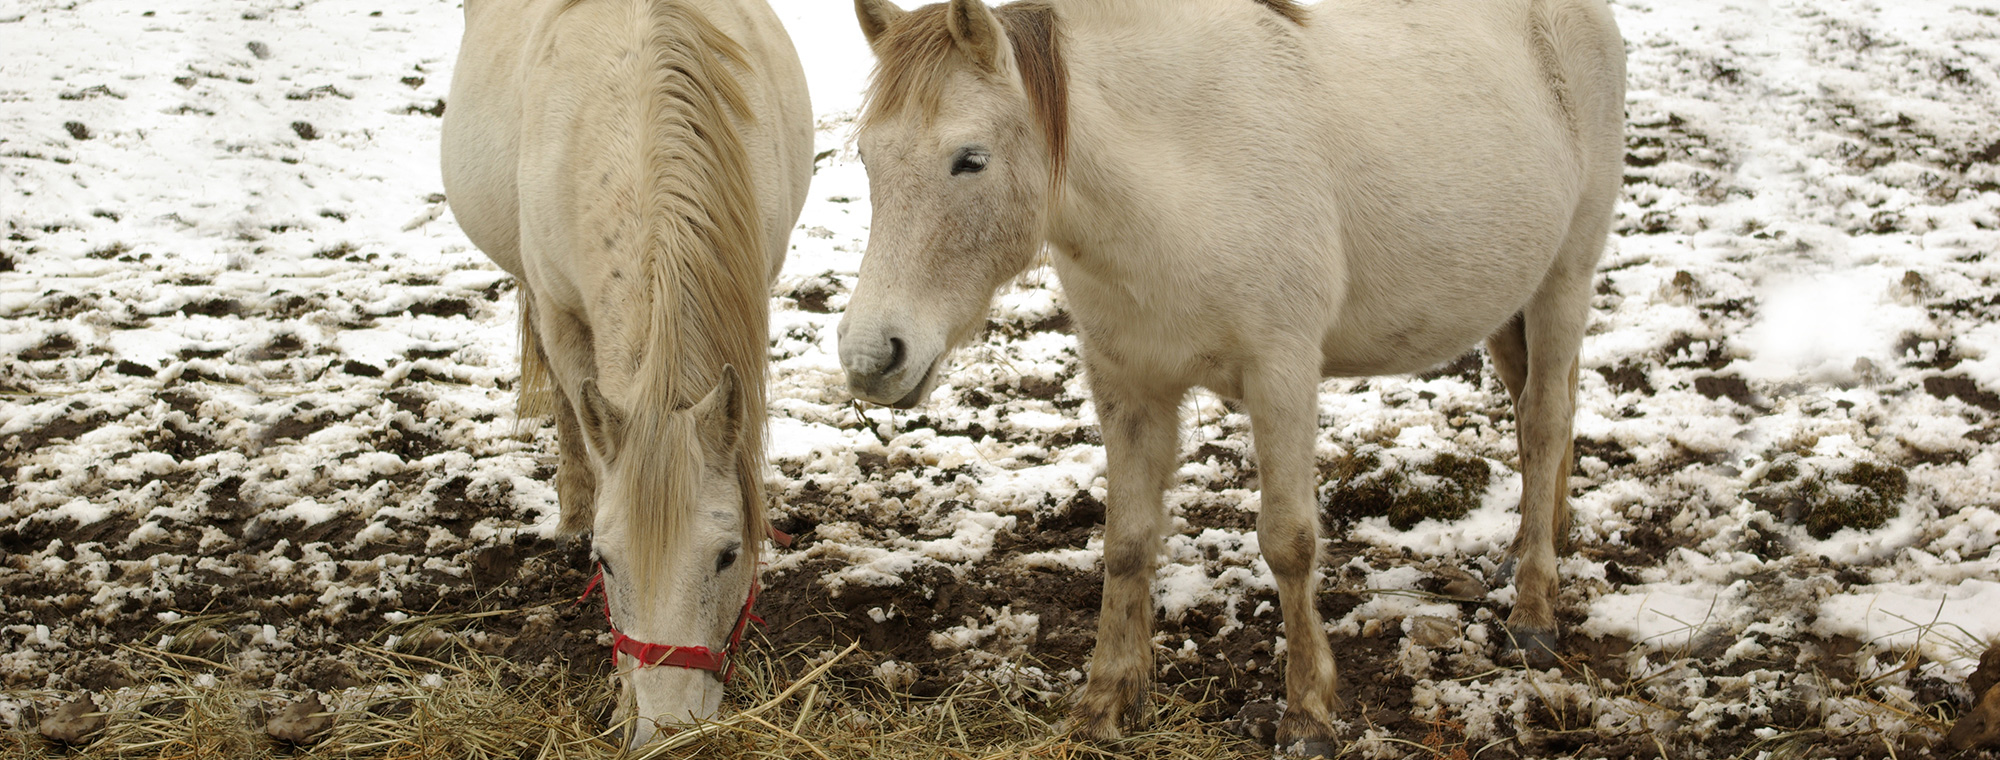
(638, 165)
(1247, 195)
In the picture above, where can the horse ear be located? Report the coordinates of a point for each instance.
(603, 425)
(977, 32)
(876, 17)
(719, 415)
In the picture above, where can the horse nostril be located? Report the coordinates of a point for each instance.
(895, 356)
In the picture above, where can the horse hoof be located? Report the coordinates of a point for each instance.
(1537, 649)
(1096, 727)
(1305, 748)
(1092, 731)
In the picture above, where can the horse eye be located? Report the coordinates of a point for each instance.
(968, 162)
(723, 562)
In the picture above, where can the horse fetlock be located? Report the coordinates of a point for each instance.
(1531, 626)
(1535, 596)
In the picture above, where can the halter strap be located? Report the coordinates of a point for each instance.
(695, 657)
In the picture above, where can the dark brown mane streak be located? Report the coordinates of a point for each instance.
(910, 68)
(1292, 11)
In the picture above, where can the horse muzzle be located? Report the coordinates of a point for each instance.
(886, 367)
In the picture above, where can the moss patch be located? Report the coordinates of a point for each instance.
(1826, 494)
(1407, 486)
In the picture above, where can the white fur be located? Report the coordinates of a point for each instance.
(1250, 205)
(547, 109)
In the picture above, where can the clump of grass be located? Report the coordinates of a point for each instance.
(1408, 487)
(1826, 494)
(468, 705)
(837, 719)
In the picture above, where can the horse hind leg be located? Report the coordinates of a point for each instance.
(576, 478)
(1508, 349)
(1536, 356)
(1141, 437)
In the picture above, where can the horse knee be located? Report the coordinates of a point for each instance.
(1290, 551)
(1127, 558)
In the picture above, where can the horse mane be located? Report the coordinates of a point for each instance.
(702, 256)
(910, 58)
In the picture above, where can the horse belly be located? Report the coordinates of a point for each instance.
(1453, 207)
(1401, 346)
(479, 142)
(1420, 293)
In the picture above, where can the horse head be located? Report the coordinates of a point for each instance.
(669, 541)
(961, 139)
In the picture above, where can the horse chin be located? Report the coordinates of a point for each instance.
(923, 389)
(690, 696)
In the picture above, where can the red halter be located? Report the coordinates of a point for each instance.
(697, 658)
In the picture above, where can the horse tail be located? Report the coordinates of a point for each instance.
(536, 396)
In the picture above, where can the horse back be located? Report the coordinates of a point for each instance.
(528, 69)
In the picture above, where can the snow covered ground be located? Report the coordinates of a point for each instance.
(255, 393)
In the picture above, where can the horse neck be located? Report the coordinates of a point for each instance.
(1132, 122)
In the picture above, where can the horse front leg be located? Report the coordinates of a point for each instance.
(1284, 413)
(1141, 437)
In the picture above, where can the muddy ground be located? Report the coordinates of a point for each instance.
(256, 390)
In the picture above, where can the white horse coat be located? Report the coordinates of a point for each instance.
(638, 165)
(1247, 195)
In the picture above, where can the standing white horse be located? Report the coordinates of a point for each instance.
(637, 165)
(1247, 195)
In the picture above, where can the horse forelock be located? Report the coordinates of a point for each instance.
(704, 298)
(915, 55)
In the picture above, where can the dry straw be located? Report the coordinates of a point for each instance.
(465, 705)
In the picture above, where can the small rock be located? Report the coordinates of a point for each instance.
(1258, 722)
(301, 722)
(1431, 632)
(73, 723)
